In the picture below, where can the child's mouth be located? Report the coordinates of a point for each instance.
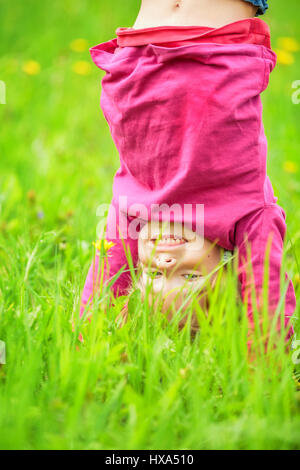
(168, 240)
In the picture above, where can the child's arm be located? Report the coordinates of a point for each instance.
(259, 226)
(115, 260)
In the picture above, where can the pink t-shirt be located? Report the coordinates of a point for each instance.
(249, 31)
(187, 122)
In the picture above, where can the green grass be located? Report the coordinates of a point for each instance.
(144, 385)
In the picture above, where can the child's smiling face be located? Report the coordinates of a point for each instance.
(174, 259)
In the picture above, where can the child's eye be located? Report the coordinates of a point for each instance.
(154, 274)
(192, 277)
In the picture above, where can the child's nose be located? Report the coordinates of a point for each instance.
(165, 261)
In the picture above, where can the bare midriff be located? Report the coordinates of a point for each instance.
(211, 13)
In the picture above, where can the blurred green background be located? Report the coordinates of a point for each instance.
(57, 162)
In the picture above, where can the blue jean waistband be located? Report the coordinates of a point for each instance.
(261, 4)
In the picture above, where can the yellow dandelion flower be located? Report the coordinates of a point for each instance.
(79, 45)
(97, 245)
(105, 243)
(290, 167)
(82, 67)
(284, 57)
(108, 245)
(297, 278)
(31, 67)
(288, 44)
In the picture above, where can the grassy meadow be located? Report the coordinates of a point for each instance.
(143, 386)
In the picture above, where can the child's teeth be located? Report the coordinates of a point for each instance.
(171, 241)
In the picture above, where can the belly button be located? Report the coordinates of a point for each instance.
(177, 4)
